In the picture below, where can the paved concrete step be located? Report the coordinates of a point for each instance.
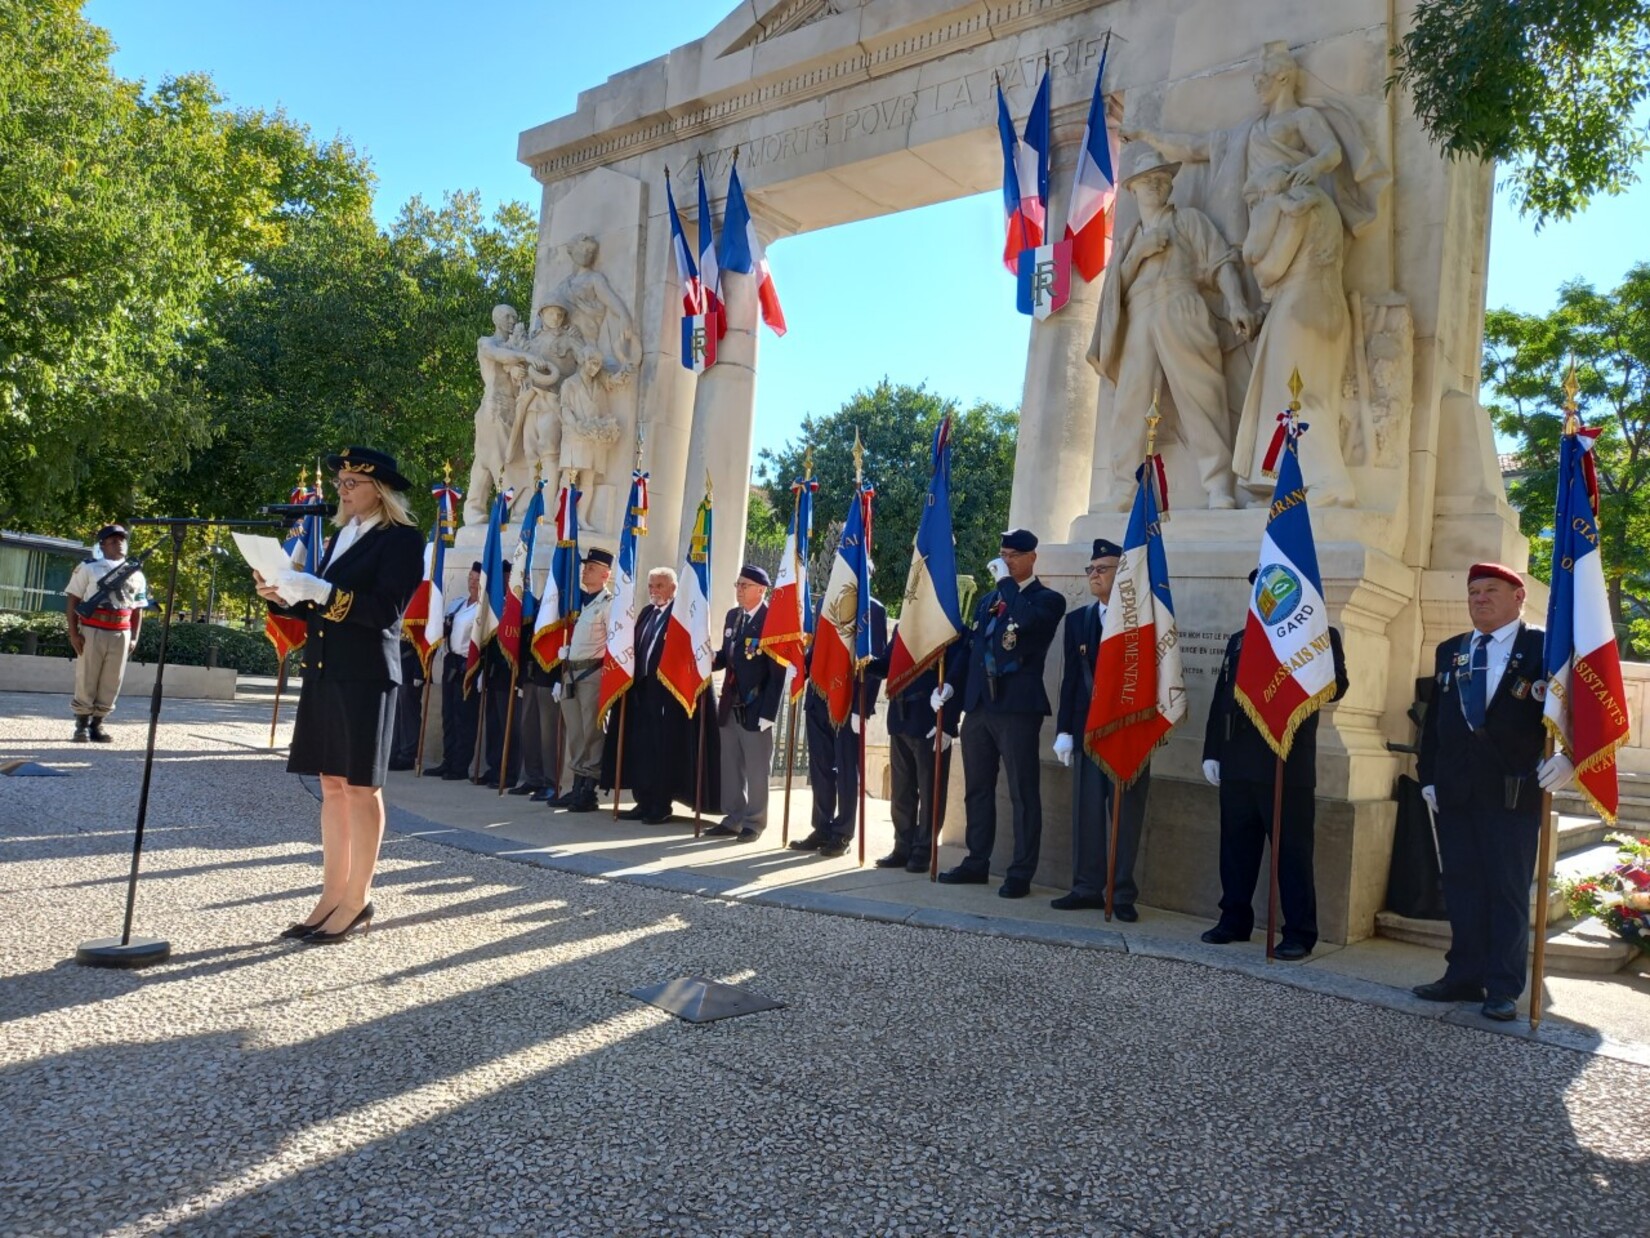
(1584, 948)
(1633, 811)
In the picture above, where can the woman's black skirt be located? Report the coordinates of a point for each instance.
(345, 729)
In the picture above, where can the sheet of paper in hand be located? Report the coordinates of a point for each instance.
(265, 555)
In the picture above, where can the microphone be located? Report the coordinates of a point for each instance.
(298, 510)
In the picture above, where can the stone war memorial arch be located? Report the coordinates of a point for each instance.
(1315, 227)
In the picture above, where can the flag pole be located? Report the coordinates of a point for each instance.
(790, 770)
(481, 725)
(275, 714)
(699, 775)
(934, 795)
(618, 760)
(861, 694)
(423, 722)
(1277, 834)
(1111, 839)
(1544, 872)
(509, 720)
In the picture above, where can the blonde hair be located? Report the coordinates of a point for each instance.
(392, 505)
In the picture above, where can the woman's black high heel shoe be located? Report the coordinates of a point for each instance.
(361, 923)
(300, 930)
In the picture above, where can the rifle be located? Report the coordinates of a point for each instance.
(112, 581)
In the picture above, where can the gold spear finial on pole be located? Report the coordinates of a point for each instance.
(638, 464)
(1295, 386)
(808, 463)
(1572, 409)
(859, 460)
(1152, 418)
(446, 472)
(708, 491)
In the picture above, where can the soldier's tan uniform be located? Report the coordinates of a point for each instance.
(108, 632)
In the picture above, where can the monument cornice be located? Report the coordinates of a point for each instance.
(977, 23)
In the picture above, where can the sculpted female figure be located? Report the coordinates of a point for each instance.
(1290, 184)
(597, 311)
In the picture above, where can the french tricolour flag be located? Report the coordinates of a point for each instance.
(788, 630)
(558, 609)
(1286, 671)
(931, 617)
(1094, 189)
(687, 272)
(710, 274)
(1586, 708)
(619, 659)
(1025, 176)
(685, 661)
(1139, 691)
(742, 251)
(491, 609)
(426, 612)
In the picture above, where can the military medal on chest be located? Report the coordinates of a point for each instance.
(1011, 636)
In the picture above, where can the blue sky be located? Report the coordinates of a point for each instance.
(435, 94)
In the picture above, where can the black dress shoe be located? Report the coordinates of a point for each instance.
(539, 796)
(747, 836)
(1291, 951)
(637, 813)
(895, 859)
(1014, 887)
(460, 776)
(833, 848)
(719, 831)
(1126, 913)
(1222, 936)
(489, 779)
(1077, 902)
(664, 818)
(961, 876)
(525, 788)
(1449, 991)
(813, 842)
(434, 771)
(917, 864)
(399, 766)
(1501, 1009)
(361, 923)
(300, 930)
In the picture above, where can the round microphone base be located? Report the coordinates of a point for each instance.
(110, 952)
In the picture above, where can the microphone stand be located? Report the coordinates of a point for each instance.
(126, 950)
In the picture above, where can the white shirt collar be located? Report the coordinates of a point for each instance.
(1504, 633)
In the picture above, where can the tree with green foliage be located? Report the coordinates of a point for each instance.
(1549, 87)
(896, 423)
(1526, 358)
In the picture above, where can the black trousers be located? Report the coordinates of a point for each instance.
(1488, 855)
(409, 701)
(833, 771)
(458, 718)
(1009, 741)
(911, 770)
(1245, 831)
(1091, 793)
(498, 706)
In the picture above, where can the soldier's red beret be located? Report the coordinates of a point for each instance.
(1494, 571)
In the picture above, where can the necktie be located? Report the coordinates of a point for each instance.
(1475, 697)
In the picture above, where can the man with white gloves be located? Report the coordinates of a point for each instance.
(1004, 704)
(1091, 790)
(1482, 773)
(1238, 760)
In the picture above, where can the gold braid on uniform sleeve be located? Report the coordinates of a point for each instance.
(339, 606)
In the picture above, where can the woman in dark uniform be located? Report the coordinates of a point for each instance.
(352, 669)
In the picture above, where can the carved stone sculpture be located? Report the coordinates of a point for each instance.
(503, 363)
(596, 310)
(553, 355)
(588, 428)
(1154, 323)
(1290, 184)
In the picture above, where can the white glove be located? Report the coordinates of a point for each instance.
(997, 568)
(766, 724)
(1062, 748)
(853, 721)
(555, 692)
(939, 696)
(1430, 795)
(1211, 773)
(1555, 772)
(945, 740)
(295, 586)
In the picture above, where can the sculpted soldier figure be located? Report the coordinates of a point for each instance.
(503, 363)
(597, 311)
(553, 354)
(1154, 324)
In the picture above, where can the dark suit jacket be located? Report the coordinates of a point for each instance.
(910, 712)
(1232, 739)
(356, 633)
(1469, 767)
(876, 670)
(1082, 651)
(754, 681)
(1013, 629)
(647, 660)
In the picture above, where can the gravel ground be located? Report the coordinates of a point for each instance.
(474, 1066)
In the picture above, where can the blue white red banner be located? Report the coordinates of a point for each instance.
(1094, 186)
(619, 661)
(685, 661)
(842, 632)
(930, 617)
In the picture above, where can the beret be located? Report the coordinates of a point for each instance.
(1105, 549)
(476, 566)
(1022, 540)
(597, 555)
(755, 575)
(1494, 571)
(111, 530)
